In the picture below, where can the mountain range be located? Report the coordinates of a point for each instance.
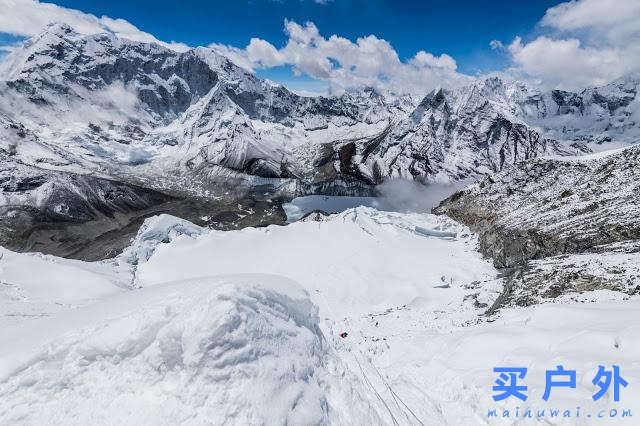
(101, 128)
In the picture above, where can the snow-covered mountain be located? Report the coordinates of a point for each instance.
(159, 179)
(193, 125)
(483, 127)
(459, 134)
(146, 108)
(598, 114)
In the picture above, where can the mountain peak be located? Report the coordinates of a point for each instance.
(434, 99)
(52, 33)
(59, 28)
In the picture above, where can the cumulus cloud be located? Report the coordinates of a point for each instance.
(340, 62)
(423, 58)
(587, 43)
(29, 17)
(236, 55)
(567, 63)
(615, 19)
(343, 64)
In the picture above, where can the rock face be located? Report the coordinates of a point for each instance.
(558, 213)
(547, 207)
(194, 126)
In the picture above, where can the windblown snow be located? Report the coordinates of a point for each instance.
(196, 326)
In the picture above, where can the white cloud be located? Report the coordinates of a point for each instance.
(445, 61)
(496, 45)
(29, 17)
(583, 43)
(337, 61)
(614, 18)
(566, 63)
(342, 63)
(588, 43)
(263, 53)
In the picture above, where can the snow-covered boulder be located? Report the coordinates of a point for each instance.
(156, 230)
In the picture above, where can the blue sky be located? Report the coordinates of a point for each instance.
(462, 29)
(549, 41)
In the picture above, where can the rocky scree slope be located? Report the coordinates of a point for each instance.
(563, 224)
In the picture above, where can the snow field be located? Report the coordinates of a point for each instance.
(192, 326)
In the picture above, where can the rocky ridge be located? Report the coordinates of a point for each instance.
(561, 225)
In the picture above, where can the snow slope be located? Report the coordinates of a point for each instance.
(443, 374)
(197, 326)
(338, 260)
(242, 349)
